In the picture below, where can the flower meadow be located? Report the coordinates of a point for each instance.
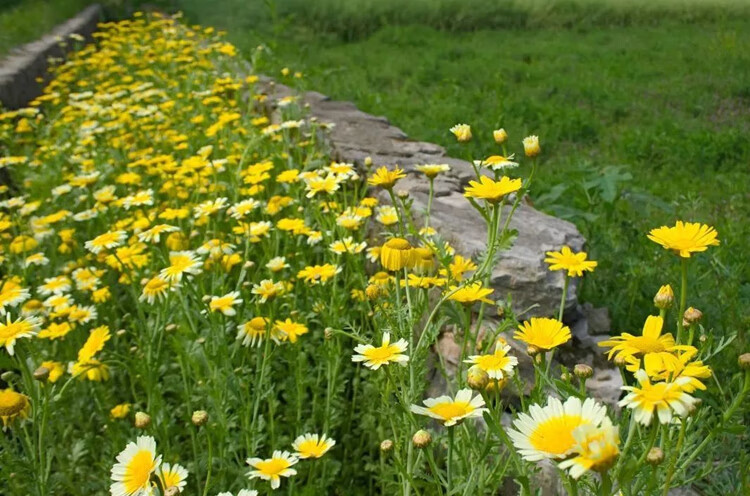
(197, 299)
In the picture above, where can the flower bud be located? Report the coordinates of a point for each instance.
(41, 374)
(532, 350)
(172, 491)
(531, 146)
(421, 439)
(565, 375)
(170, 327)
(691, 316)
(583, 371)
(500, 136)
(477, 378)
(199, 418)
(386, 446)
(655, 456)
(495, 386)
(744, 361)
(368, 161)
(142, 420)
(620, 361)
(328, 333)
(664, 298)
(7, 375)
(402, 193)
(462, 132)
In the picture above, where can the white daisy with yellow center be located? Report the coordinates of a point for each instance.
(274, 468)
(596, 449)
(660, 397)
(225, 304)
(547, 432)
(312, 445)
(498, 365)
(181, 262)
(451, 411)
(135, 465)
(172, 476)
(376, 356)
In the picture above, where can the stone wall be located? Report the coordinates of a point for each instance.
(20, 70)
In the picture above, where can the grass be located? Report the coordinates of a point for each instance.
(641, 124)
(25, 21)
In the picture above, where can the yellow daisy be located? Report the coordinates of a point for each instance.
(491, 190)
(470, 293)
(575, 263)
(374, 357)
(386, 178)
(498, 365)
(596, 448)
(135, 465)
(547, 432)
(13, 330)
(312, 445)
(543, 333)
(685, 238)
(451, 411)
(288, 329)
(662, 397)
(272, 469)
(13, 405)
(225, 304)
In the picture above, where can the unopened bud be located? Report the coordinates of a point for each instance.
(620, 361)
(170, 327)
(532, 350)
(664, 298)
(744, 361)
(583, 371)
(206, 298)
(402, 193)
(421, 439)
(328, 333)
(496, 385)
(691, 316)
(142, 420)
(477, 378)
(7, 375)
(565, 375)
(655, 456)
(199, 418)
(121, 332)
(500, 135)
(386, 446)
(368, 161)
(41, 374)
(248, 265)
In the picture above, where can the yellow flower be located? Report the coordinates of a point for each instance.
(386, 178)
(312, 445)
(662, 397)
(432, 170)
(135, 464)
(316, 274)
(685, 238)
(288, 329)
(543, 333)
(491, 190)
(575, 263)
(272, 469)
(172, 476)
(451, 411)
(13, 405)
(470, 294)
(531, 146)
(462, 132)
(459, 266)
(374, 357)
(499, 162)
(547, 432)
(267, 289)
(94, 344)
(225, 304)
(683, 367)
(657, 350)
(498, 365)
(156, 287)
(13, 330)
(596, 449)
(664, 298)
(254, 331)
(56, 370)
(396, 254)
(108, 240)
(93, 370)
(181, 262)
(120, 411)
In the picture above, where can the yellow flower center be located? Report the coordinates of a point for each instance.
(138, 471)
(381, 353)
(492, 362)
(13, 329)
(555, 435)
(11, 403)
(398, 244)
(272, 467)
(311, 449)
(647, 344)
(452, 410)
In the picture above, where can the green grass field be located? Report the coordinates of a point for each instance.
(644, 119)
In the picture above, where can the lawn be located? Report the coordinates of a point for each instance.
(643, 119)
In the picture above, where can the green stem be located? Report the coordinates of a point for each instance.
(606, 487)
(208, 467)
(449, 462)
(683, 300)
(673, 463)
